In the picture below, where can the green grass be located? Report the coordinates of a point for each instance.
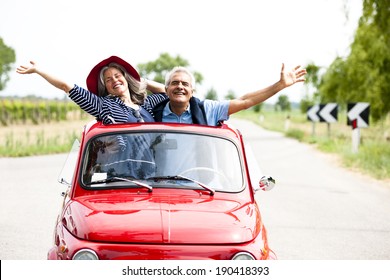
(37, 144)
(372, 157)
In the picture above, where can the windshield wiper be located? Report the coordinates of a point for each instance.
(116, 179)
(168, 177)
(181, 177)
(212, 191)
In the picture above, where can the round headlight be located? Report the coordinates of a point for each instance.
(85, 254)
(243, 256)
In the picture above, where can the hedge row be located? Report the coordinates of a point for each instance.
(19, 111)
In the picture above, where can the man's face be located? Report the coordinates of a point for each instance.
(180, 89)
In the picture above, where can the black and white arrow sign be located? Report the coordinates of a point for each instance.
(359, 112)
(312, 113)
(328, 112)
(323, 113)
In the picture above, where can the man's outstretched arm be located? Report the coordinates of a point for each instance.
(297, 74)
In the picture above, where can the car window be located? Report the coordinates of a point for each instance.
(154, 156)
(67, 171)
(255, 173)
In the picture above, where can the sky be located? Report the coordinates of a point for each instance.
(237, 46)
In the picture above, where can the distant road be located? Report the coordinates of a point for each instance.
(317, 211)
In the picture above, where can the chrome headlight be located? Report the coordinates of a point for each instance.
(243, 256)
(85, 254)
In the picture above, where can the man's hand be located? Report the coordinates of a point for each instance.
(297, 74)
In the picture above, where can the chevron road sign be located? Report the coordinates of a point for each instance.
(358, 114)
(323, 113)
(328, 112)
(312, 113)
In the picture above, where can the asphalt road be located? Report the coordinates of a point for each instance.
(29, 203)
(317, 211)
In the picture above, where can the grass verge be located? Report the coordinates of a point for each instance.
(46, 138)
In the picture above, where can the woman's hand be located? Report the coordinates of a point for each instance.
(27, 69)
(48, 77)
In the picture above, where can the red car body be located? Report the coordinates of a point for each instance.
(112, 216)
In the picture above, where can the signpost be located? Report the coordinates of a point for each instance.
(323, 113)
(357, 117)
(359, 112)
(328, 112)
(312, 113)
(313, 117)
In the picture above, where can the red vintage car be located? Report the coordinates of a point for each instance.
(160, 191)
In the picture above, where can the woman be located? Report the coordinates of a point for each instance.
(116, 93)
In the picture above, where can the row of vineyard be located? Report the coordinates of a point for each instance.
(21, 111)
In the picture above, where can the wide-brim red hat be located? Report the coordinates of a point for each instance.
(93, 77)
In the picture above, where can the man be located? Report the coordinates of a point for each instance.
(182, 107)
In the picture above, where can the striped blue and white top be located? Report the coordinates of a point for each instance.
(111, 109)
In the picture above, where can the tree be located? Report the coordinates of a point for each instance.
(312, 76)
(364, 76)
(230, 95)
(212, 94)
(336, 85)
(156, 70)
(305, 103)
(7, 58)
(283, 103)
(257, 108)
(312, 81)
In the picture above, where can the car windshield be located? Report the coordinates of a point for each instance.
(163, 160)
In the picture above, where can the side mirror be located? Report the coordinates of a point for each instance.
(266, 183)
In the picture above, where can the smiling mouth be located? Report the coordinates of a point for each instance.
(117, 85)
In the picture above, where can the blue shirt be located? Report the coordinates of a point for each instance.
(215, 111)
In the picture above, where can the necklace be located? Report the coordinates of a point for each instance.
(137, 114)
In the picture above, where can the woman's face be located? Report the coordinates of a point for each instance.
(115, 82)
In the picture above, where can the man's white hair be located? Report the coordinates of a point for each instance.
(168, 76)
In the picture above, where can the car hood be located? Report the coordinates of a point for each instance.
(162, 219)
